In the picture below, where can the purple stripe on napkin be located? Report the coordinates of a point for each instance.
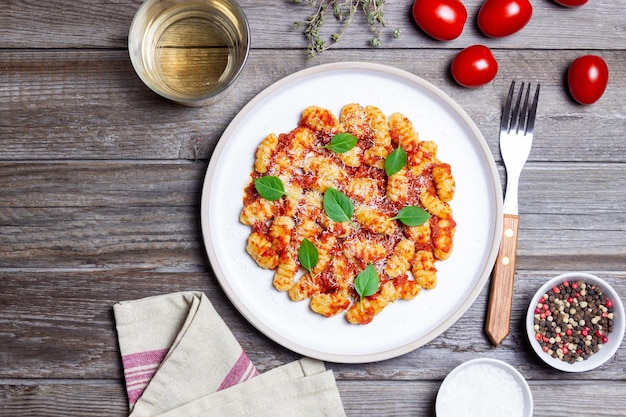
(150, 357)
(139, 368)
(241, 371)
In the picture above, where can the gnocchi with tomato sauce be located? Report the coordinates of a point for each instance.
(404, 256)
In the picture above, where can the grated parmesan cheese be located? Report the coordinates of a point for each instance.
(480, 390)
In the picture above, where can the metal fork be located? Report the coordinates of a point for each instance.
(516, 139)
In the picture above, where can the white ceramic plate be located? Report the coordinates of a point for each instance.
(615, 337)
(405, 325)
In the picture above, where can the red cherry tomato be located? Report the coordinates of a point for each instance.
(441, 19)
(571, 3)
(587, 78)
(499, 18)
(474, 66)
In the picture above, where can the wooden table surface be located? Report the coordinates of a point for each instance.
(101, 181)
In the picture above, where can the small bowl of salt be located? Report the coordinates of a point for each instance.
(484, 388)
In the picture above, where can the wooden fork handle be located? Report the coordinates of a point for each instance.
(498, 321)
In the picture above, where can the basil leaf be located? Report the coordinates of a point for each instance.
(270, 187)
(342, 142)
(308, 255)
(367, 282)
(412, 216)
(337, 205)
(395, 161)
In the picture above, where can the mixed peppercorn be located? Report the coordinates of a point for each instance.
(573, 320)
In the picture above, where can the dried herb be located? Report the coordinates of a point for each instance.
(343, 11)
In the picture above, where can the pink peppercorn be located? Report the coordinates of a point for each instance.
(605, 339)
(608, 304)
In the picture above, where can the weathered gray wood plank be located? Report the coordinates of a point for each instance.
(418, 399)
(124, 214)
(97, 398)
(58, 399)
(415, 399)
(59, 324)
(96, 24)
(90, 104)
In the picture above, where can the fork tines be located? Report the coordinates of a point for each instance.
(524, 121)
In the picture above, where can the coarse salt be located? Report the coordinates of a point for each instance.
(481, 390)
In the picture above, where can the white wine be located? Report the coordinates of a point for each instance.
(190, 51)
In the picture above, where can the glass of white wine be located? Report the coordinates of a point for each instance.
(189, 51)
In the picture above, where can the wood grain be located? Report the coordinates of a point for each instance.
(85, 104)
(66, 328)
(406, 399)
(125, 214)
(100, 184)
(498, 322)
(89, 24)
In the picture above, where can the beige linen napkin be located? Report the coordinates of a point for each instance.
(180, 359)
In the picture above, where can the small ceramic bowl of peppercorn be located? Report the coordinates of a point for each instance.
(575, 322)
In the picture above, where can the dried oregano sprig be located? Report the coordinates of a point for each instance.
(344, 12)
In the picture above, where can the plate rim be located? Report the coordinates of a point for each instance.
(467, 302)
